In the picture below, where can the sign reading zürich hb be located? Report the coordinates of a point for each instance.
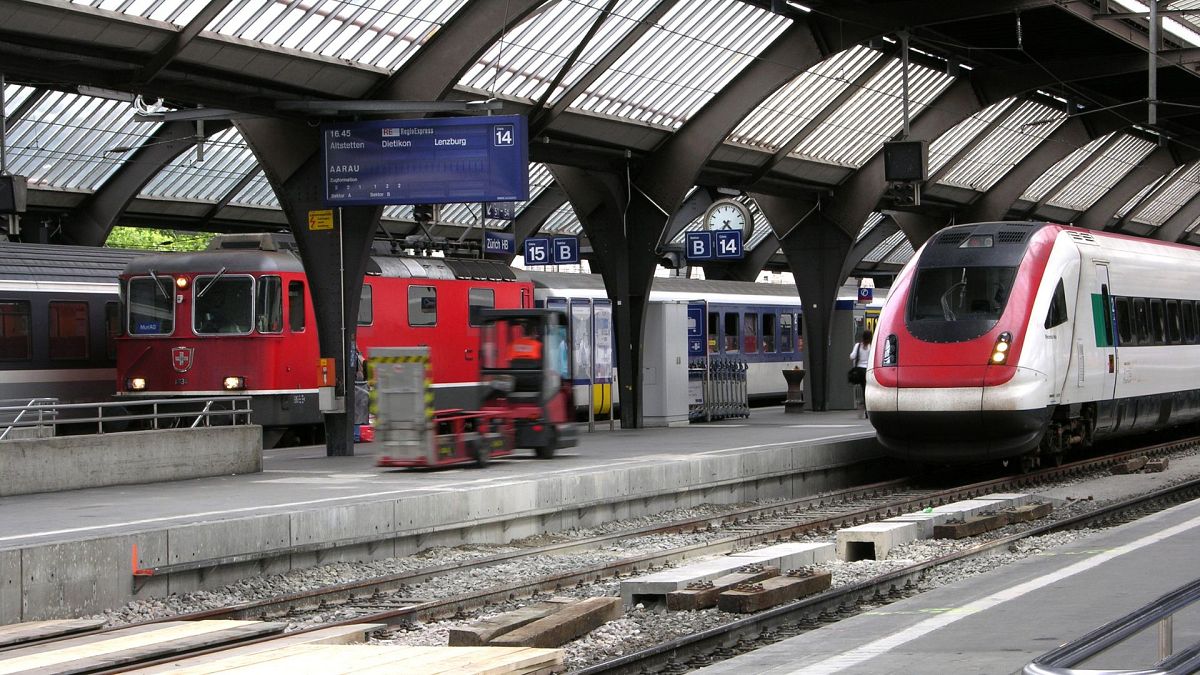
(427, 161)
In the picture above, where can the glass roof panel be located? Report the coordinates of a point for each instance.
(1005, 146)
(383, 33)
(226, 161)
(1061, 168)
(885, 247)
(678, 65)
(529, 57)
(949, 144)
(872, 116)
(562, 221)
(65, 141)
(1166, 203)
(1146, 189)
(1103, 173)
(903, 253)
(874, 219)
(1192, 228)
(14, 96)
(258, 192)
(785, 113)
(178, 12)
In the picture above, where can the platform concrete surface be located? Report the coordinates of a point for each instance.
(79, 543)
(1001, 620)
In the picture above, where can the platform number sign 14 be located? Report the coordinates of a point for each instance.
(727, 244)
(503, 135)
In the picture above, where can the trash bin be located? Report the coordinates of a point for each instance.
(795, 391)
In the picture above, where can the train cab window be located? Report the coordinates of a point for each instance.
(785, 332)
(1174, 322)
(1057, 315)
(750, 332)
(1188, 309)
(16, 341)
(223, 305)
(422, 306)
(112, 329)
(68, 330)
(477, 299)
(296, 306)
(768, 333)
(1158, 322)
(1141, 321)
(268, 305)
(151, 306)
(366, 306)
(1125, 322)
(731, 333)
(714, 326)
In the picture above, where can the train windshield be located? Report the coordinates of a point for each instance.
(224, 305)
(950, 304)
(151, 306)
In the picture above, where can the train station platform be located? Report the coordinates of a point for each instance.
(999, 621)
(70, 553)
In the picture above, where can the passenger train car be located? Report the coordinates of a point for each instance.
(59, 320)
(1002, 341)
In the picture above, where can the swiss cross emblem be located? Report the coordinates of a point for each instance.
(181, 359)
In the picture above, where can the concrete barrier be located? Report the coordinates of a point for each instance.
(77, 462)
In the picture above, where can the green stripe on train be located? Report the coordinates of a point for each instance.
(1098, 321)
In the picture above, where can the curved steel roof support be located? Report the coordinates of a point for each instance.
(917, 227)
(1164, 185)
(747, 268)
(232, 192)
(1172, 229)
(93, 219)
(815, 249)
(863, 247)
(334, 283)
(167, 53)
(1153, 167)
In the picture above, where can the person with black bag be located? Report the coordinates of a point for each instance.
(857, 376)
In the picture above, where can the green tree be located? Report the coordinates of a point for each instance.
(153, 239)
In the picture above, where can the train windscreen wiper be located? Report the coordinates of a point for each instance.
(210, 283)
(158, 283)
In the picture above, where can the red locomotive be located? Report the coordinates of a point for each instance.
(238, 319)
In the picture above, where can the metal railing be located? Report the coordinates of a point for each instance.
(1161, 612)
(166, 413)
(21, 406)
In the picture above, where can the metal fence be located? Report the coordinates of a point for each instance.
(110, 416)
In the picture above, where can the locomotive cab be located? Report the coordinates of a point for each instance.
(946, 382)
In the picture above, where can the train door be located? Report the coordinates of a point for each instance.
(1104, 319)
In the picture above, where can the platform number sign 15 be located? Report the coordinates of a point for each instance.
(503, 135)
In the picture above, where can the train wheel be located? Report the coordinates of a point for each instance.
(546, 450)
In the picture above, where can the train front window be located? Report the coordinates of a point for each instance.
(958, 303)
(269, 305)
(224, 305)
(151, 306)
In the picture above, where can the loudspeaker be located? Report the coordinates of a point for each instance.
(905, 161)
(12, 194)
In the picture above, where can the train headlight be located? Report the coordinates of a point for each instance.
(181, 282)
(891, 351)
(234, 382)
(1000, 350)
(135, 383)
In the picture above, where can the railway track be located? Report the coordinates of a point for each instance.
(380, 600)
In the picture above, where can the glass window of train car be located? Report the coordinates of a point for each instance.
(951, 294)
(1188, 308)
(296, 306)
(1141, 318)
(750, 332)
(714, 326)
(268, 305)
(112, 329)
(1106, 311)
(768, 333)
(731, 333)
(16, 343)
(223, 305)
(1174, 322)
(366, 306)
(1158, 323)
(477, 299)
(151, 311)
(1124, 322)
(422, 306)
(1057, 314)
(785, 332)
(68, 331)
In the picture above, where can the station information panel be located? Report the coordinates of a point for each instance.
(427, 161)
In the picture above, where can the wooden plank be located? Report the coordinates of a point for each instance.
(701, 595)
(172, 638)
(1029, 512)
(482, 632)
(564, 625)
(773, 591)
(214, 663)
(500, 660)
(971, 527)
(33, 631)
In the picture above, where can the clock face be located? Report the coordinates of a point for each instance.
(728, 215)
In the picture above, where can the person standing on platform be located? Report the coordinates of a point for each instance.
(859, 358)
